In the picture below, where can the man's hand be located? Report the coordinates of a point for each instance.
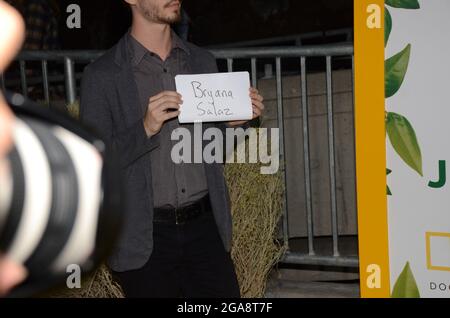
(257, 105)
(161, 108)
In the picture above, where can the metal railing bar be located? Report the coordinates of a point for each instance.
(254, 73)
(280, 116)
(23, 78)
(305, 259)
(37, 80)
(332, 155)
(230, 65)
(268, 52)
(306, 154)
(45, 82)
(70, 80)
(78, 55)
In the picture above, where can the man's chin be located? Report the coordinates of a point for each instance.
(174, 19)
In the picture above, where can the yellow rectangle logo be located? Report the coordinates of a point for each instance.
(438, 251)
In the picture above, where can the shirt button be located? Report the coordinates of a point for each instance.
(165, 70)
(183, 190)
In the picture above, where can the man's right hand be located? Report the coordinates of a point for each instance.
(161, 108)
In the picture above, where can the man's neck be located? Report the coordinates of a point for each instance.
(155, 37)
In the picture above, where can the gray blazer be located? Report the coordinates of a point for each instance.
(110, 104)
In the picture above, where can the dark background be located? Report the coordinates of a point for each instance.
(213, 21)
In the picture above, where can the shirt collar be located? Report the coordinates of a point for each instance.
(177, 42)
(138, 51)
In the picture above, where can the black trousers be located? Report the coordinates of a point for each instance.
(188, 260)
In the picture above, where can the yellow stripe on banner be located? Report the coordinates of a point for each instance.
(371, 148)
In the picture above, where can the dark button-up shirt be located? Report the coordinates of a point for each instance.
(173, 184)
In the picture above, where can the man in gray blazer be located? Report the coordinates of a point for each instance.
(176, 235)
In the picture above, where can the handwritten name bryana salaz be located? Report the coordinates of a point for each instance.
(211, 102)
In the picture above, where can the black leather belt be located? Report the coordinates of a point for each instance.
(183, 214)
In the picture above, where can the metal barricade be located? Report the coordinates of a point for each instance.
(277, 54)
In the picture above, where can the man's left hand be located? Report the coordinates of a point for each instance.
(257, 105)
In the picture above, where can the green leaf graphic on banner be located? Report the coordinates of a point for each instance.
(395, 68)
(387, 25)
(403, 139)
(406, 286)
(403, 4)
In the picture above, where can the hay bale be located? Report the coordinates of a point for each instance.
(99, 284)
(256, 209)
(74, 109)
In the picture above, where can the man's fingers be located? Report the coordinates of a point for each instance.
(254, 90)
(257, 97)
(235, 123)
(165, 99)
(160, 103)
(258, 104)
(256, 112)
(162, 107)
(254, 94)
(160, 113)
(167, 106)
(163, 94)
(170, 115)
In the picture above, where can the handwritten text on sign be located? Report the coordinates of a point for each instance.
(214, 97)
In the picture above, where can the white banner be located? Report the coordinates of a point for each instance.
(418, 146)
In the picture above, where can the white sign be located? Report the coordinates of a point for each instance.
(214, 97)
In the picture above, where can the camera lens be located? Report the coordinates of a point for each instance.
(58, 204)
